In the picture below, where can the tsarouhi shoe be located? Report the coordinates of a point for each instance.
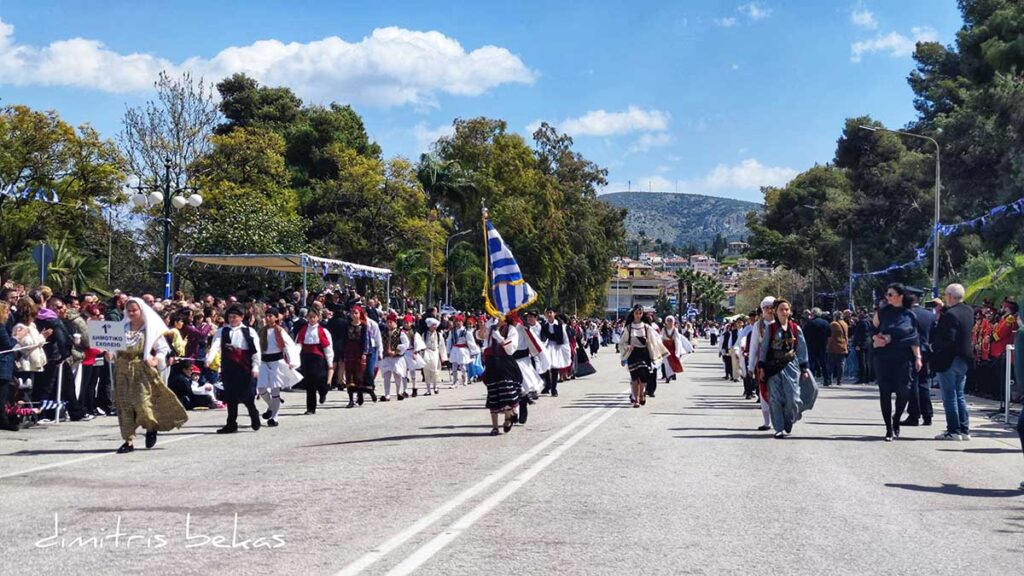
(150, 438)
(125, 448)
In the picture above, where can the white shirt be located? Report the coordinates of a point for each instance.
(376, 341)
(237, 339)
(312, 338)
(756, 336)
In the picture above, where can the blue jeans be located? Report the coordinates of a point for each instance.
(952, 382)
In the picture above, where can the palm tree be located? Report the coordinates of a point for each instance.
(685, 280)
(412, 271)
(450, 188)
(710, 294)
(69, 271)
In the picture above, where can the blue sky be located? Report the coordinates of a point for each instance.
(715, 97)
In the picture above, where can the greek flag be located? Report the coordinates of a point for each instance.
(505, 289)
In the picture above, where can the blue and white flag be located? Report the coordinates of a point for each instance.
(505, 289)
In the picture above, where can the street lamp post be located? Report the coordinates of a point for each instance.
(938, 193)
(178, 201)
(447, 251)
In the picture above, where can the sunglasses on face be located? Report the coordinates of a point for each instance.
(891, 295)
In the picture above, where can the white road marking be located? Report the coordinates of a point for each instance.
(371, 557)
(163, 442)
(425, 552)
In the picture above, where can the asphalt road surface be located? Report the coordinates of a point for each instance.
(684, 485)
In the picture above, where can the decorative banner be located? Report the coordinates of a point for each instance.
(921, 254)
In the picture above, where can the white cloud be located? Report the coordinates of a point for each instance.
(747, 176)
(755, 10)
(650, 140)
(862, 17)
(425, 135)
(735, 66)
(896, 45)
(727, 22)
(390, 67)
(602, 123)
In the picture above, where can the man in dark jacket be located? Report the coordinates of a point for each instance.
(862, 343)
(816, 333)
(920, 406)
(952, 354)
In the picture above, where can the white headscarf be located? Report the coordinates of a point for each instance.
(155, 326)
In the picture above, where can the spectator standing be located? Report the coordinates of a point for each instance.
(952, 354)
(919, 410)
(837, 348)
(816, 333)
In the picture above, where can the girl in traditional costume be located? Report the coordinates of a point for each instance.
(641, 352)
(140, 395)
(357, 356)
(502, 375)
(277, 364)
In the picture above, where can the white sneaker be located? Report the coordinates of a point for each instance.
(45, 421)
(948, 436)
(965, 437)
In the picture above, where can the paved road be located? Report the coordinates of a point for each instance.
(589, 486)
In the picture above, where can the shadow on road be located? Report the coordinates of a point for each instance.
(982, 450)
(796, 436)
(958, 490)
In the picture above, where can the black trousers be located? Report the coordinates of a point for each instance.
(920, 402)
(894, 376)
(865, 373)
(239, 389)
(728, 366)
(749, 386)
(551, 380)
(87, 393)
(314, 375)
(1020, 431)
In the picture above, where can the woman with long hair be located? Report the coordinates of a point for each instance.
(897, 355)
(357, 353)
(782, 358)
(140, 395)
(641, 351)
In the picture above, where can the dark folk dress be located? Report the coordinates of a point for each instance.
(639, 361)
(503, 379)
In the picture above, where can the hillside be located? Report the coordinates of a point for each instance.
(683, 218)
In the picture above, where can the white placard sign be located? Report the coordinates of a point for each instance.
(107, 336)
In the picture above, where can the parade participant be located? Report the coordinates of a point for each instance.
(677, 345)
(459, 351)
(713, 335)
(502, 375)
(239, 350)
(414, 354)
(897, 356)
(652, 377)
(640, 354)
(753, 352)
(742, 352)
(376, 352)
(140, 395)
(528, 347)
(396, 342)
(277, 362)
(316, 359)
(782, 356)
(477, 335)
(432, 355)
(556, 342)
(357, 355)
(540, 360)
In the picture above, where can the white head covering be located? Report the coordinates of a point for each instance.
(154, 327)
(432, 322)
(768, 301)
(670, 317)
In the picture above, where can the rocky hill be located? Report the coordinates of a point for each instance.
(683, 218)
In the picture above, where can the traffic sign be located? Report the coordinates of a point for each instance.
(43, 256)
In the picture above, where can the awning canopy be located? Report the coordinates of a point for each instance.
(293, 263)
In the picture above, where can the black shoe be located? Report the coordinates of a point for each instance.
(267, 415)
(763, 428)
(908, 422)
(494, 432)
(896, 431)
(554, 393)
(272, 423)
(522, 418)
(651, 395)
(256, 425)
(927, 422)
(406, 394)
(508, 426)
(359, 401)
(227, 430)
(789, 429)
(150, 438)
(125, 448)
(350, 404)
(400, 397)
(308, 413)
(323, 398)
(545, 391)
(779, 435)
(413, 392)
